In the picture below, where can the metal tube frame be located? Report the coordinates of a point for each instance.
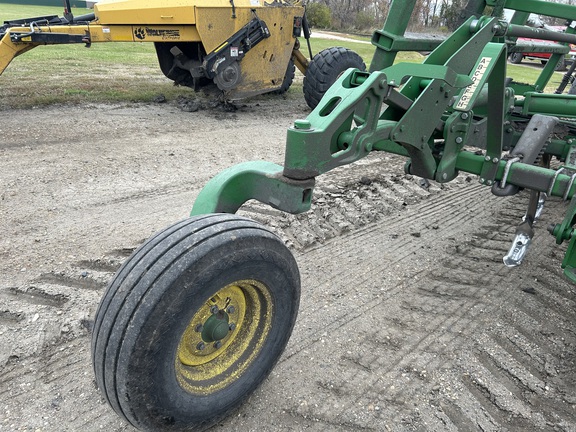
(457, 98)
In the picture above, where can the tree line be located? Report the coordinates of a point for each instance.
(367, 15)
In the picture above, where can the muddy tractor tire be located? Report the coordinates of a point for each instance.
(324, 70)
(288, 78)
(194, 321)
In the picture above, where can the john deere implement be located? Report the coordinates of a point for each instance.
(197, 317)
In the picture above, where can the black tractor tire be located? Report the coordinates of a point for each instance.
(561, 66)
(572, 90)
(324, 70)
(194, 321)
(288, 78)
(515, 58)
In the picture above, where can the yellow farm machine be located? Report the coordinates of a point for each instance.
(245, 47)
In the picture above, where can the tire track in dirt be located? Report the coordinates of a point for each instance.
(54, 308)
(349, 381)
(452, 361)
(89, 274)
(515, 394)
(427, 343)
(64, 373)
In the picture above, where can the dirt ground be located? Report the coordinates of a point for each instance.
(408, 321)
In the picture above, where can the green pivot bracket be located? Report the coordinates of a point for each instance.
(350, 108)
(259, 180)
(490, 70)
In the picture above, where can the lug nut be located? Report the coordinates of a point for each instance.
(214, 310)
(199, 328)
(231, 309)
(217, 344)
(232, 326)
(200, 346)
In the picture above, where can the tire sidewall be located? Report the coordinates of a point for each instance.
(561, 65)
(516, 58)
(572, 89)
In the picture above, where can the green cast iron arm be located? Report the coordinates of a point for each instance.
(259, 180)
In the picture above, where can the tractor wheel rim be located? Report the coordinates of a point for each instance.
(224, 336)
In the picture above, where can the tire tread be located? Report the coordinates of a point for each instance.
(324, 70)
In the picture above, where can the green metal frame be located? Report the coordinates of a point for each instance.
(457, 98)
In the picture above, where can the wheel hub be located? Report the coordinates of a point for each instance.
(213, 327)
(216, 327)
(229, 77)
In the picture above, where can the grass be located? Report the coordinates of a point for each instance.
(523, 74)
(112, 72)
(123, 71)
(10, 11)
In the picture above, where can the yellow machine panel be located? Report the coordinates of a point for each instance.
(111, 34)
(264, 66)
(165, 12)
(158, 33)
(111, 12)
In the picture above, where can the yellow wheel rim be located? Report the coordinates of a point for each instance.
(224, 337)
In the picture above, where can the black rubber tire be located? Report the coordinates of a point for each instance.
(324, 70)
(572, 90)
(288, 78)
(561, 66)
(515, 58)
(155, 297)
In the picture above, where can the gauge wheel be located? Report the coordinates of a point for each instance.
(288, 78)
(325, 68)
(194, 321)
(515, 57)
